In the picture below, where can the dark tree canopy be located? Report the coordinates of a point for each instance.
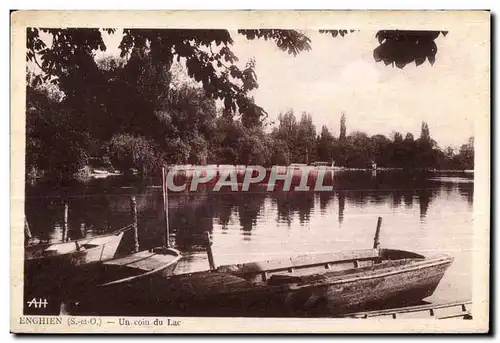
(404, 47)
(424, 132)
(401, 47)
(398, 137)
(207, 54)
(343, 130)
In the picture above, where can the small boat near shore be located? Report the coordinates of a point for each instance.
(95, 287)
(132, 270)
(49, 267)
(322, 285)
(74, 253)
(317, 285)
(342, 282)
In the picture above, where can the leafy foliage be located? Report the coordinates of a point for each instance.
(336, 33)
(401, 47)
(207, 55)
(358, 150)
(398, 47)
(72, 46)
(325, 145)
(138, 152)
(290, 41)
(49, 129)
(299, 137)
(306, 139)
(126, 111)
(343, 130)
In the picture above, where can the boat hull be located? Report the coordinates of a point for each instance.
(120, 285)
(47, 277)
(91, 250)
(404, 287)
(402, 282)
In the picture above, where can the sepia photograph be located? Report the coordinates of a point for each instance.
(268, 170)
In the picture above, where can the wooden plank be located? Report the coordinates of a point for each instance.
(209, 284)
(126, 260)
(133, 213)
(299, 261)
(152, 263)
(338, 257)
(430, 309)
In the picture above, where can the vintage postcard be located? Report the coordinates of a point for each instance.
(250, 171)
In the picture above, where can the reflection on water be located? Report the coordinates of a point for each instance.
(420, 213)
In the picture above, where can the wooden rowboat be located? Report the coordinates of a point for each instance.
(343, 282)
(328, 284)
(96, 286)
(321, 285)
(57, 256)
(314, 285)
(157, 262)
(311, 285)
(49, 268)
(134, 270)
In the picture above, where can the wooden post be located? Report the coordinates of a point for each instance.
(376, 239)
(65, 221)
(27, 231)
(133, 208)
(165, 206)
(209, 251)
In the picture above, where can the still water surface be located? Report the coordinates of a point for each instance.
(427, 214)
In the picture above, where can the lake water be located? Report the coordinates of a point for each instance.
(424, 213)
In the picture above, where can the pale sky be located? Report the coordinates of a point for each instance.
(340, 75)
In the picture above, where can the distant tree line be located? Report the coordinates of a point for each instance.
(298, 142)
(139, 115)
